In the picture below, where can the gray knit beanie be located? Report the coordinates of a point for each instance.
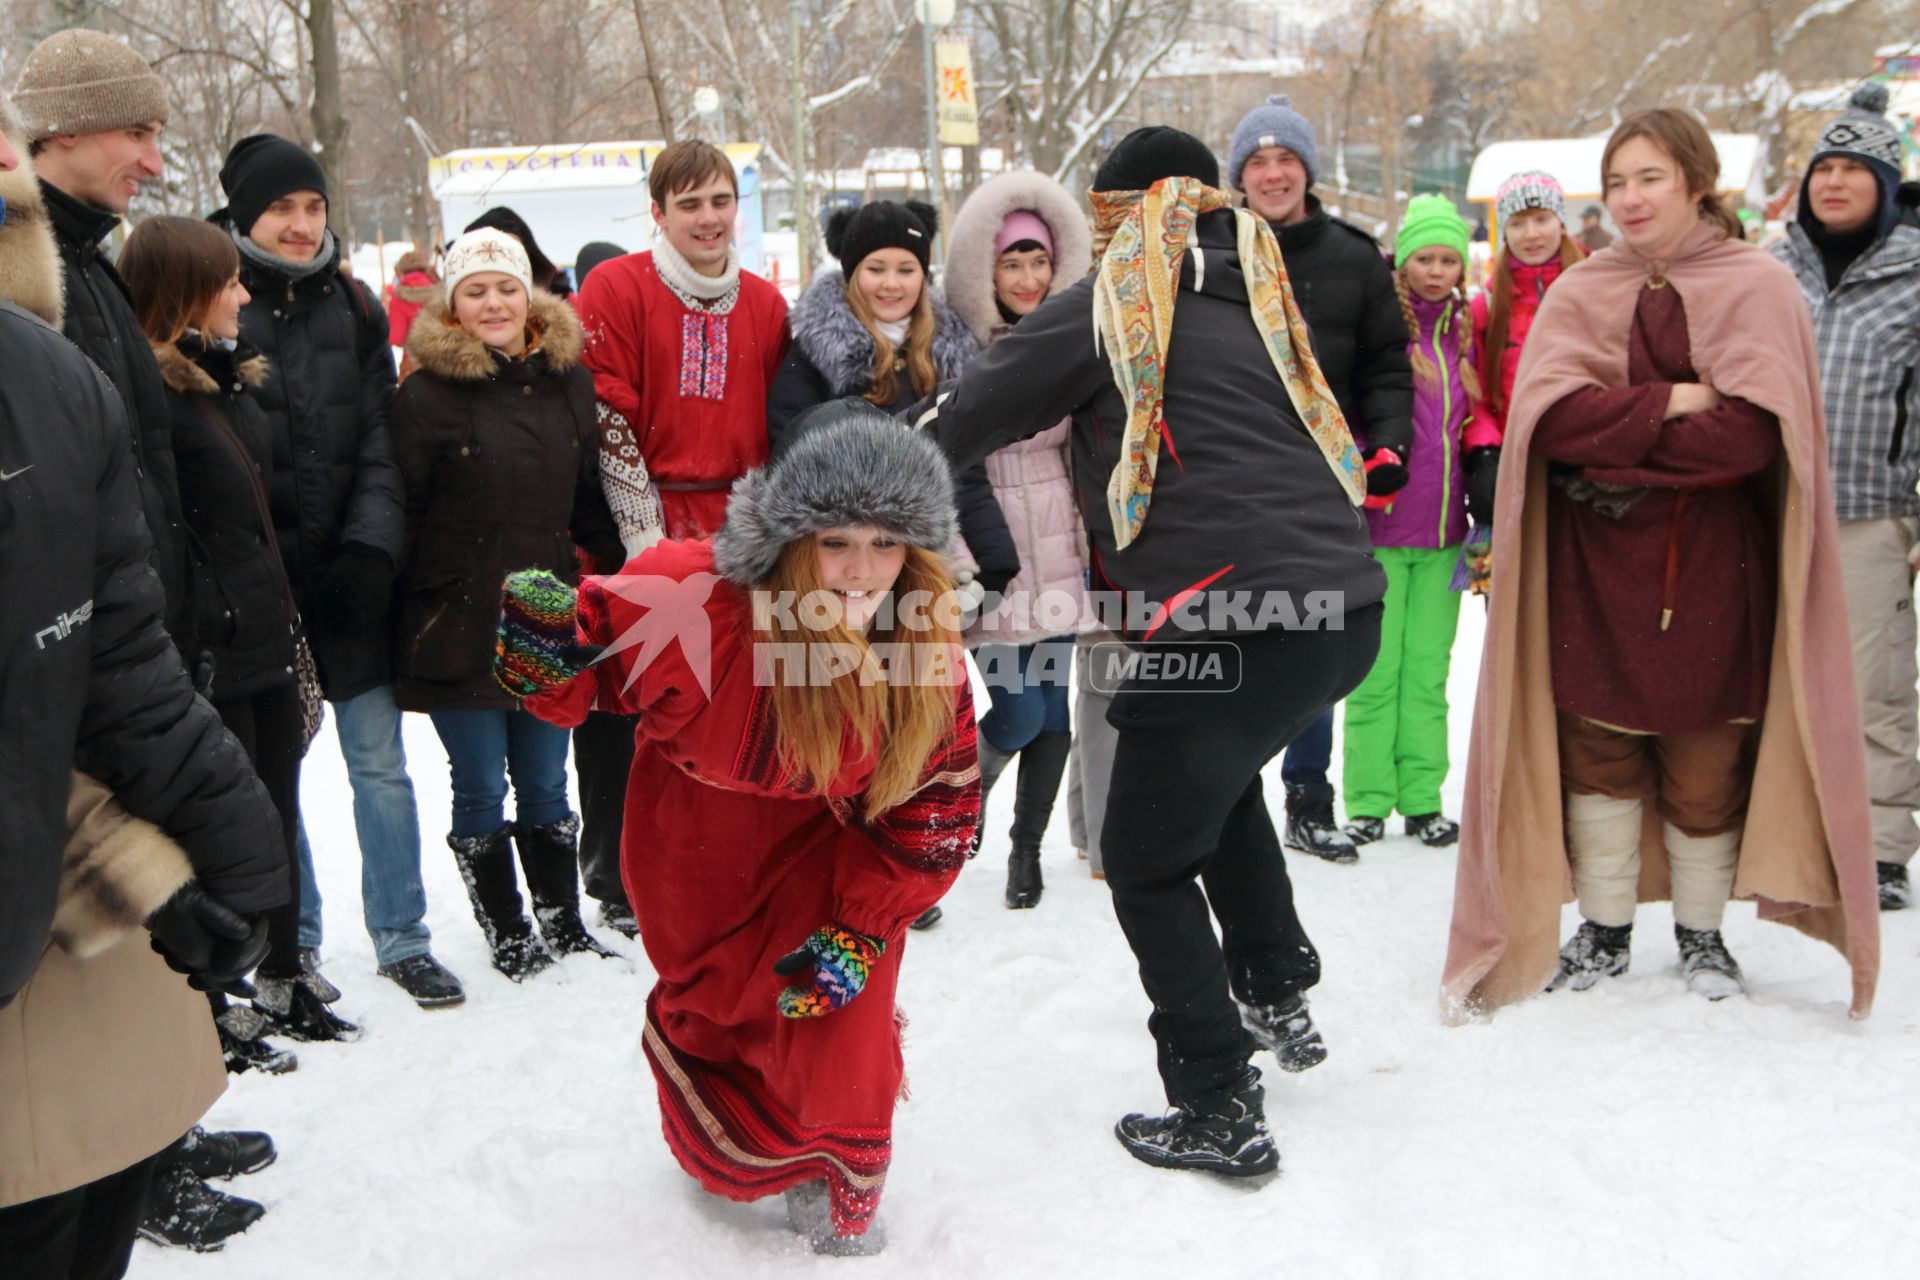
(1274, 123)
(79, 81)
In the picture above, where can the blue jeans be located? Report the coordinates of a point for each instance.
(483, 748)
(1038, 702)
(1309, 754)
(392, 898)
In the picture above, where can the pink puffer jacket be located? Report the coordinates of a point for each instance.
(1031, 479)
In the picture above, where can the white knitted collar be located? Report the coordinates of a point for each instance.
(692, 288)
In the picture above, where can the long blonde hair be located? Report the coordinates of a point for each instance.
(919, 350)
(899, 724)
(1457, 313)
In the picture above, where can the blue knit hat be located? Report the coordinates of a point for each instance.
(1274, 123)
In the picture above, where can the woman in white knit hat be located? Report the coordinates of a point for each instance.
(496, 439)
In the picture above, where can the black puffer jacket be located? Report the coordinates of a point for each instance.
(89, 678)
(1345, 289)
(243, 614)
(502, 466)
(1251, 506)
(328, 392)
(100, 321)
(832, 357)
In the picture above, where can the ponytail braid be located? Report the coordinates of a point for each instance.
(1423, 371)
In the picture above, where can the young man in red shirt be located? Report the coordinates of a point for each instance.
(683, 346)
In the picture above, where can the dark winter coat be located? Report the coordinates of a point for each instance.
(100, 321)
(328, 392)
(1345, 290)
(89, 677)
(502, 468)
(1243, 500)
(243, 614)
(832, 357)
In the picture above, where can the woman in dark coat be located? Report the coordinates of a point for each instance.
(243, 629)
(495, 438)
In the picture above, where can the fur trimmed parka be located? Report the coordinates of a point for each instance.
(1032, 478)
(832, 357)
(501, 461)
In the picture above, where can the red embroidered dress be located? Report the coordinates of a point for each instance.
(729, 868)
(682, 385)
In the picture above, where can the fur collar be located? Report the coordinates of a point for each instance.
(118, 869)
(182, 373)
(30, 274)
(418, 294)
(839, 346)
(447, 350)
(969, 274)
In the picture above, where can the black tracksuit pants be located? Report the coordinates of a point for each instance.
(83, 1234)
(1187, 829)
(603, 749)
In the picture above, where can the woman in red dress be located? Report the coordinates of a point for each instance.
(805, 786)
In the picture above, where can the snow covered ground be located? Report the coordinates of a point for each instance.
(1632, 1130)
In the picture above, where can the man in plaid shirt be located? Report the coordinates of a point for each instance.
(1860, 272)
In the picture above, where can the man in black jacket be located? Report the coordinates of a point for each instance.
(338, 508)
(1254, 545)
(94, 111)
(90, 678)
(1345, 288)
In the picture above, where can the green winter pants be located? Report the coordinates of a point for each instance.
(1396, 728)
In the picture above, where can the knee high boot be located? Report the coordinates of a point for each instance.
(993, 762)
(1042, 764)
(550, 854)
(486, 864)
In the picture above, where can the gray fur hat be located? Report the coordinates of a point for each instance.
(845, 463)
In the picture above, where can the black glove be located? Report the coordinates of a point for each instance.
(351, 593)
(1483, 475)
(1385, 478)
(212, 944)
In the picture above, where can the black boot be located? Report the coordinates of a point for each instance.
(1310, 826)
(1705, 963)
(993, 762)
(293, 1009)
(1896, 891)
(186, 1213)
(1043, 762)
(1226, 1133)
(245, 1047)
(550, 855)
(220, 1155)
(1595, 951)
(1287, 1029)
(486, 864)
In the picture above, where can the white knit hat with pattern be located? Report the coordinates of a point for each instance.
(485, 250)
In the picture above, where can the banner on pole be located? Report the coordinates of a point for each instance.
(959, 110)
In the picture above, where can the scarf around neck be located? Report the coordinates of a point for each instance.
(707, 293)
(1141, 237)
(251, 252)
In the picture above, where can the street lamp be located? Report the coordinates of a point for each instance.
(932, 14)
(707, 102)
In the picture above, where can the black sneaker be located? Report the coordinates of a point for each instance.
(1310, 825)
(245, 1048)
(292, 1009)
(1896, 894)
(185, 1213)
(1435, 830)
(1365, 830)
(1229, 1137)
(221, 1155)
(1287, 1029)
(311, 979)
(928, 918)
(1709, 970)
(1596, 951)
(618, 916)
(429, 982)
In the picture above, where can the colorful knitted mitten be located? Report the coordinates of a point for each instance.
(535, 648)
(840, 959)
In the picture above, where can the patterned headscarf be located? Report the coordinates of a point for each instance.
(1140, 237)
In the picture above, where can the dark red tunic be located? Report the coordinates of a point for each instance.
(729, 868)
(1695, 549)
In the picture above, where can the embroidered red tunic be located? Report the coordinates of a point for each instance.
(682, 391)
(729, 867)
